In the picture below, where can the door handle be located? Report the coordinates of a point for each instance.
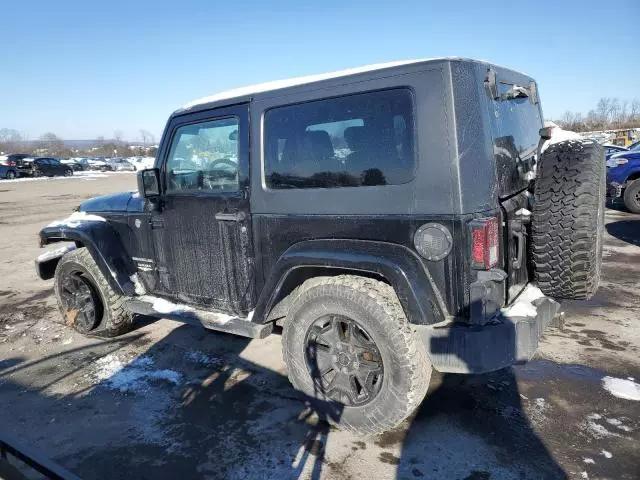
(517, 262)
(230, 217)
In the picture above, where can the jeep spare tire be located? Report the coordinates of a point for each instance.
(568, 219)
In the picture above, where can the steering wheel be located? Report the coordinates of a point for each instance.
(226, 173)
(221, 161)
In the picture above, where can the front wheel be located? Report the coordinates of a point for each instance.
(68, 173)
(347, 342)
(632, 196)
(85, 298)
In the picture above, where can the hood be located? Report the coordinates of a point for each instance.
(629, 154)
(114, 202)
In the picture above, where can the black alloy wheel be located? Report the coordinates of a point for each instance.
(80, 302)
(343, 360)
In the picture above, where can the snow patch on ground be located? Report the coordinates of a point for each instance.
(76, 218)
(606, 454)
(57, 252)
(196, 356)
(589, 460)
(523, 306)
(135, 377)
(622, 388)
(597, 431)
(88, 175)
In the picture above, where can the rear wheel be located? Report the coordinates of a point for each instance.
(11, 175)
(85, 298)
(632, 196)
(347, 342)
(568, 219)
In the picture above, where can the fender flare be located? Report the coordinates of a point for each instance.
(104, 245)
(420, 298)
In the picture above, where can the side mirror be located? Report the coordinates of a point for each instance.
(149, 183)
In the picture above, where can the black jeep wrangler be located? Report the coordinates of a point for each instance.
(394, 218)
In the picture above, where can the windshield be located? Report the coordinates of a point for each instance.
(635, 146)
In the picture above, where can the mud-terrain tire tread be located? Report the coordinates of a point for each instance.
(568, 219)
(116, 320)
(413, 363)
(629, 192)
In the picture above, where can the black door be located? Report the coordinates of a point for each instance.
(42, 164)
(57, 168)
(201, 232)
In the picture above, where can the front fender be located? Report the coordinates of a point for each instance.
(402, 268)
(104, 244)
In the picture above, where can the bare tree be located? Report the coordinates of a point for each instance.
(10, 140)
(610, 113)
(117, 136)
(144, 136)
(634, 112)
(53, 144)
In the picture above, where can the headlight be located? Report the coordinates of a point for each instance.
(614, 162)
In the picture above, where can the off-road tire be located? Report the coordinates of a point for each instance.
(375, 306)
(115, 319)
(568, 219)
(632, 196)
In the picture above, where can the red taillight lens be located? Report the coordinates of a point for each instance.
(485, 243)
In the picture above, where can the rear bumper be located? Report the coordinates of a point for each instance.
(508, 340)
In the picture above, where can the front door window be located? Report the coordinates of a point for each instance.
(204, 157)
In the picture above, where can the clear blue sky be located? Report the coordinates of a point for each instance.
(82, 68)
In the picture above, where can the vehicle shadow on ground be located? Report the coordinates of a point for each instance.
(219, 415)
(626, 230)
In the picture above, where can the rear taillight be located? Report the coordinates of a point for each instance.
(485, 249)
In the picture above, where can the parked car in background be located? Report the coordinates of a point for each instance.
(99, 163)
(121, 165)
(8, 172)
(623, 178)
(613, 149)
(12, 159)
(8, 165)
(142, 163)
(49, 167)
(75, 165)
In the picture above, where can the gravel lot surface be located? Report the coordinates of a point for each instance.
(173, 401)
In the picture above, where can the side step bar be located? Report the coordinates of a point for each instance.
(161, 308)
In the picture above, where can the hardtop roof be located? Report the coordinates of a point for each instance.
(249, 91)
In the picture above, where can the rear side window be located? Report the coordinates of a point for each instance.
(351, 141)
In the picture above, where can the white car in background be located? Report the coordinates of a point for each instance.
(142, 163)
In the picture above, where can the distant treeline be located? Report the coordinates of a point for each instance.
(12, 141)
(609, 114)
